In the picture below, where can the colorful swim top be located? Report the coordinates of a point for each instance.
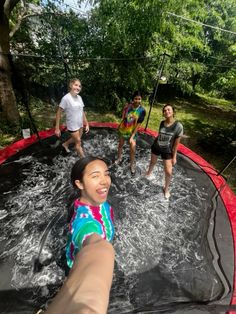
(131, 117)
(86, 220)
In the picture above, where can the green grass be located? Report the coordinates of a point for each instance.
(206, 132)
(201, 119)
(199, 122)
(104, 117)
(194, 118)
(221, 103)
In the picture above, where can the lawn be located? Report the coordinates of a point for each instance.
(209, 127)
(209, 130)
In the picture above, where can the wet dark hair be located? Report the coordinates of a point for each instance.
(77, 171)
(169, 105)
(135, 94)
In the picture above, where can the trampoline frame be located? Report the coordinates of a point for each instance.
(226, 194)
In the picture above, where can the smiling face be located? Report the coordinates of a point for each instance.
(137, 100)
(75, 87)
(168, 112)
(95, 183)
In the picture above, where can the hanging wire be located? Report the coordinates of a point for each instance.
(159, 74)
(153, 57)
(200, 23)
(169, 13)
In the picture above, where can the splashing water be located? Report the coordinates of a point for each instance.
(159, 243)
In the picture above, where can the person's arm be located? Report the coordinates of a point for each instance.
(88, 286)
(124, 111)
(174, 150)
(58, 118)
(123, 116)
(85, 122)
(179, 134)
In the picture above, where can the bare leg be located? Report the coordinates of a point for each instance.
(77, 139)
(132, 145)
(120, 148)
(86, 291)
(67, 143)
(152, 163)
(168, 173)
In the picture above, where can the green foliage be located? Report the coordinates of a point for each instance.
(219, 140)
(116, 49)
(226, 85)
(8, 133)
(25, 122)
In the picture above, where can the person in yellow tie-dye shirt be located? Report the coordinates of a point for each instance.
(132, 117)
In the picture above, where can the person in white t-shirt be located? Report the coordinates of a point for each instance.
(73, 106)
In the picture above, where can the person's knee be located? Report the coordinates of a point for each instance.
(133, 146)
(120, 146)
(168, 172)
(121, 143)
(78, 142)
(153, 162)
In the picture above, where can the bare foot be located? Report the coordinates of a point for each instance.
(117, 161)
(66, 148)
(166, 194)
(132, 169)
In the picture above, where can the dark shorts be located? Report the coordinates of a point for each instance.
(73, 131)
(157, 151)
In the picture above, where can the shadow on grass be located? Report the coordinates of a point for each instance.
(213, 143)
(196, 106)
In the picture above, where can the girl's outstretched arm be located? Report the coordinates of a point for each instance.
(88, 285)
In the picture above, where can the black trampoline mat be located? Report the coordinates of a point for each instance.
(172, 256)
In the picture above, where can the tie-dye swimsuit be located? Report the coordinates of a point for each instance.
(86, 220)
(131, 117)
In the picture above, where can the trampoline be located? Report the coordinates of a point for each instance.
(172, 256)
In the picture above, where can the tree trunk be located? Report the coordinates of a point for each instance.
(8, 106)
(195, 78)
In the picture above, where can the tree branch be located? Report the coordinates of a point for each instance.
(21, 17)
(9, 6)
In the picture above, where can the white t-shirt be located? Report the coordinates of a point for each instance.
(73, 107)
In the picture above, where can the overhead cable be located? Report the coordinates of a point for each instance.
(200, 23)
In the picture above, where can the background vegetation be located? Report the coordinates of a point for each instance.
(116, 47)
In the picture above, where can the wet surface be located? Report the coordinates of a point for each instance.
(168, 252)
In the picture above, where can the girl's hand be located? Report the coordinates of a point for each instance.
(58, 132)
(87, 128)
(131, 140)
(174, 160)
